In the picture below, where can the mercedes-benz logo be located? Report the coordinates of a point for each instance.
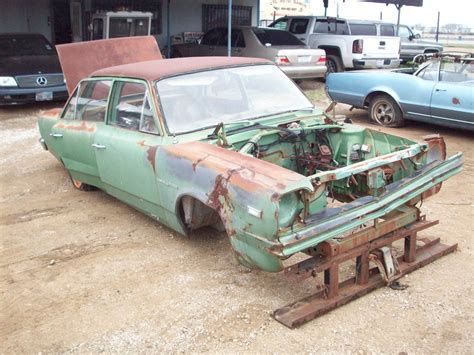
(41, 81)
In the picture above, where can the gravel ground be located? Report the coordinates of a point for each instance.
(83, 272)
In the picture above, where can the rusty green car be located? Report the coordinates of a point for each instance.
(233, 143)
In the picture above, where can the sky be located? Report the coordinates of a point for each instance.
(452, 11)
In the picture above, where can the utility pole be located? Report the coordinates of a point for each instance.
(229, 30)
(437, 27)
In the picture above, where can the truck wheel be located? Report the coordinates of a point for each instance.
(385, 111)
(333, 64)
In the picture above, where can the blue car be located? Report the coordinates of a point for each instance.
(440, 91)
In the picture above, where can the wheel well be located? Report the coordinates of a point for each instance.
(195, 214)
(332, 51)
(369, 98)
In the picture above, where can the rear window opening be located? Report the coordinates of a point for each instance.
(276, 37)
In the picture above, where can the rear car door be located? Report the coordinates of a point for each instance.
(73, 135)
(126, 146)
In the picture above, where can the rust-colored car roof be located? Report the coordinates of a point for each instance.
(156, 69)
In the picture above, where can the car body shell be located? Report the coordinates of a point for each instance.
(447, 103)
(300, 62)
(207, 178)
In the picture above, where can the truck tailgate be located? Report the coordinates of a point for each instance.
(381, 47)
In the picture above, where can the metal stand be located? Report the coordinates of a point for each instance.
(366, 247)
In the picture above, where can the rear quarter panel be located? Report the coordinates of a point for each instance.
(412, 93)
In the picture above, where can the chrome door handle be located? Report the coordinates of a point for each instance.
(98, 146)
(56, 135)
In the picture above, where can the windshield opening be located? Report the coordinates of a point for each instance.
(202, 100)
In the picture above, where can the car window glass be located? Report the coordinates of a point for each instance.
(92, 100)
(276, 37)
(387, 30)
(222, 39)
(299, 26)
(280, 24)
(404, 32)
(430, 72)
(70, 110)
(211, 38)
(363, 29)
(453, 71)
(132, 109)
(193, 101)
(332, 26)
(237, 39)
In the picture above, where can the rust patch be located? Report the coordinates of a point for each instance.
(151, 154)
(455, 101)
(195, 164)
(82, 127)
(250, 174)
(53, 113)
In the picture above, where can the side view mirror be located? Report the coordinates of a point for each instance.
(411, 37)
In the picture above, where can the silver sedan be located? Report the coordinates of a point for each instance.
(288, 52)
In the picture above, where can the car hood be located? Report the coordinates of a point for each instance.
(26, 65)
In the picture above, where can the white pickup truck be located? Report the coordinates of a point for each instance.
(348, 44)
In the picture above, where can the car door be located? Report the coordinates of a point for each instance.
(73, 135)
(126, 147)
(453, 97)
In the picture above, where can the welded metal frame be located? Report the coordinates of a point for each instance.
(364, 247)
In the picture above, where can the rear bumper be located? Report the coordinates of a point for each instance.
(16, 96)
(376, 63)
(336, 221)
(304, 72)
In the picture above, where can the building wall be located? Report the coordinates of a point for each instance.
(280, 8)
(187, 15)
(25, 16)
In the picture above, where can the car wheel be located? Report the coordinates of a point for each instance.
(80, 185)
(385, 111)
(333, 64)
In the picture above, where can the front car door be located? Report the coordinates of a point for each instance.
(126, 147)
(453, 95)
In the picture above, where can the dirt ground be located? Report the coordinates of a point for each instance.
(83, 272)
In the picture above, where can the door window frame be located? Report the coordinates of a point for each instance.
(114, 97)
(75, 94)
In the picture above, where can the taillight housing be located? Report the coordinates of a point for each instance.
(322, 60)
(282, 60)
(358, 46)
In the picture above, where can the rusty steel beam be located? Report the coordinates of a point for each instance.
(335, 294)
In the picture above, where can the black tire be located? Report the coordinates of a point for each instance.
(333, 64)
(384, 110)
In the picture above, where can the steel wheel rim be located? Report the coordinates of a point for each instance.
(383, 113)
